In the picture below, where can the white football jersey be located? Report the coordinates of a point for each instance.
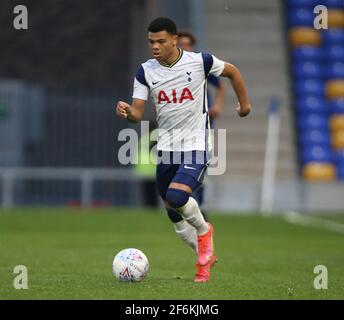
(179, 93)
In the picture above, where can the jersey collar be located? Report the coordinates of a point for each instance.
(175, 61)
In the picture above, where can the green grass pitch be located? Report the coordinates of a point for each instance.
(69, 253)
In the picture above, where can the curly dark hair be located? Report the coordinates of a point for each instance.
(163, 24)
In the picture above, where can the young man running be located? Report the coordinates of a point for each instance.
(176, 81)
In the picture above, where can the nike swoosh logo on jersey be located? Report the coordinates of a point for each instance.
(154, 83)
(186, 167)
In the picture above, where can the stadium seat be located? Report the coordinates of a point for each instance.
(339, 4)
(300, 18)
(336, 106)
(337, 122)
(314, 137)
(311, 104)
(319, 172)
(333, 36)
(339, 160)
(312, 121)
(335, 89)
(318, 74)
(338, 139)
(300, 4)
(307, 70)
(334, 70)
(307, 53)
(309, 87)
(335, 18)
(333, 53)
(294, 4)
(316, 154)
(339, 157)
(300, 36)
(340, 172)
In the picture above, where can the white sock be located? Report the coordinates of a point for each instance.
(187, 233)
(191, 213)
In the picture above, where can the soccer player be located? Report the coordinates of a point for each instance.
(187, 41)
(176, 82)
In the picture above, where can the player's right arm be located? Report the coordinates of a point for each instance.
(133, 112)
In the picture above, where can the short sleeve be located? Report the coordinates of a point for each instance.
(212, 65)
(141, 88)
(217, 68)
(140, 91)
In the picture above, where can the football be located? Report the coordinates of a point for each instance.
(130, 265)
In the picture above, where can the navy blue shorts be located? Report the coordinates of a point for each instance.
(183, 167)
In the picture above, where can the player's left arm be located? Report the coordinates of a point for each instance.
(233, 74)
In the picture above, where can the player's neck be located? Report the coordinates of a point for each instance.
(173, 56)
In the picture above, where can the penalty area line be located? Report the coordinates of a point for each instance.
(297, 218)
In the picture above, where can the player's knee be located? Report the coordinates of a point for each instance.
(177, 198)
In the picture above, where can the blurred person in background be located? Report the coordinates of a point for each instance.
(145, 167)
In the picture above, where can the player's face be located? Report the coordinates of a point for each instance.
(185, 43)
(162, 44)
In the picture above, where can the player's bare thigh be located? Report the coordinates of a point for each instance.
(180, 186)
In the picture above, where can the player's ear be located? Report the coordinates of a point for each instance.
(175, 40)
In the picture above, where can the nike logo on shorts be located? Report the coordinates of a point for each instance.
(186, 167)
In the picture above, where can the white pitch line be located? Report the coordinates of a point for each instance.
(297, 218)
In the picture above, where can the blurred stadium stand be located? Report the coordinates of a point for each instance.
(59, 128)
(60, 80)
(317, 68)
(77, 44)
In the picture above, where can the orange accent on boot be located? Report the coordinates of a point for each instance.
(205, 247)
(202, 273)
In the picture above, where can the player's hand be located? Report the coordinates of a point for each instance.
(123, 109)
(243, 111)
(214, 111)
